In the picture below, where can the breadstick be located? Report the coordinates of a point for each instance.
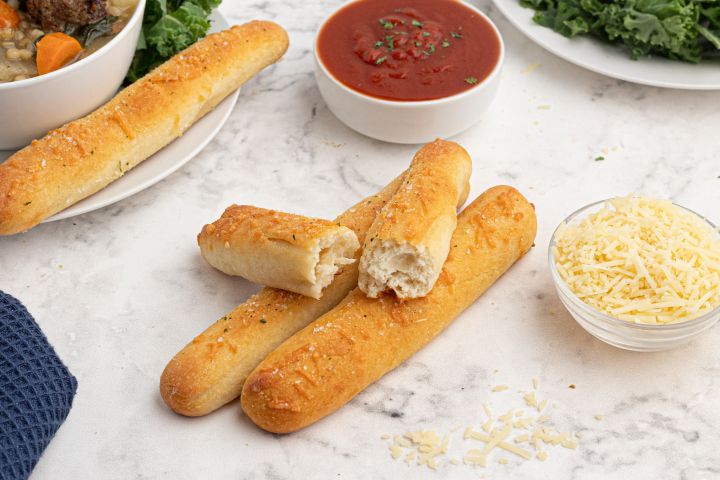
(278, 249)
(409, 241)
(83, 156)
(326, 364)
(210, 371)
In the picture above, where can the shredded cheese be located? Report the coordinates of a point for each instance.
(642, 260)
(506, 432)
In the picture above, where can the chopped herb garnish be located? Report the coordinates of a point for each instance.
(455, 35)
(418, 44)
(262, 320)
(599, 159)
(430, 50)
(28, 203)
(425, 34)
(225, 330)
(445, 44)
(417, 24)
(386, 25)
(380, 60)
(293, 236)
(390, 42)
(379, 44)
(471, 80)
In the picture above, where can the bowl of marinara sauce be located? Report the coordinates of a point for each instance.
(408, 71)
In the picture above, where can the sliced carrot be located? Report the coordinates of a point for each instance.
(54, 51)
(9, 18)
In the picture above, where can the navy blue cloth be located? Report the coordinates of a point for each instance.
(36, 390)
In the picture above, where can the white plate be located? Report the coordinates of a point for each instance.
(164, 162)
(610, 60)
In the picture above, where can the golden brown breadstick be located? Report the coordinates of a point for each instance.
(278, 249)
(83, 156)
(326, 364)
(210, 370)
(409, 240)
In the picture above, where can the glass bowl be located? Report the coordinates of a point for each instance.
(638, 337)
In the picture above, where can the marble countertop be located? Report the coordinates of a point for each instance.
(119, 291)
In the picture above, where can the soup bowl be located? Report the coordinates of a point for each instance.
(34, 106)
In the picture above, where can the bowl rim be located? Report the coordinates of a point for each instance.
(413, 103)
(565, 289)
(136, 17)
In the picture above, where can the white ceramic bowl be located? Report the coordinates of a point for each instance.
(408, 121)
(620, 333)
(32, 107)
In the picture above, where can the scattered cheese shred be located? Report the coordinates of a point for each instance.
(500, 388)
(506, 432)
(642, 260)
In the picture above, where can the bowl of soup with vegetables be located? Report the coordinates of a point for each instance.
(61, 59)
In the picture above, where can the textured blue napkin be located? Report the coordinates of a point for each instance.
(36, 391)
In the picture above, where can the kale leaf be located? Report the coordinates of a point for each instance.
(169, 26)
(686, 30)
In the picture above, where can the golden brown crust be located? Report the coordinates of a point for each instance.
(410, 239)
(323, 366)
(276, 249)
(208, 373)
(83, 156)
(261, 225)
(439, 179)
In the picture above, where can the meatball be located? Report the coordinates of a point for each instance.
(54, 15)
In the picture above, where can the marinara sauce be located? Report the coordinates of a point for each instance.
(408, 49)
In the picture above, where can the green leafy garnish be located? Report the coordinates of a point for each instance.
(471, 80)
(386, 25)
(380, 60)
(430, 50)
(169, 26)
(418, 44)
(379, 44)
(599, 158)
(417, 24)
(455, 35)
(262, 320)
(425, 34)
(390, 42)
(445, 44)
(686, 30)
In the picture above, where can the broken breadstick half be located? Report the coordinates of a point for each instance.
(409, 241)
(277, 249)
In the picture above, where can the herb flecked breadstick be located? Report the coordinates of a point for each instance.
(84, 156)
(326, 364)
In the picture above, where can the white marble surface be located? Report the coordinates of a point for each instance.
(120, 290)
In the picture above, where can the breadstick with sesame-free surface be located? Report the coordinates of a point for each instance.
(326, 364)
(409, 240)
(84, 156)
(210, 371)
(278, 249)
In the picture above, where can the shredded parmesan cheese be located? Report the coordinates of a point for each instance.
(506, 432)
(642, 260)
